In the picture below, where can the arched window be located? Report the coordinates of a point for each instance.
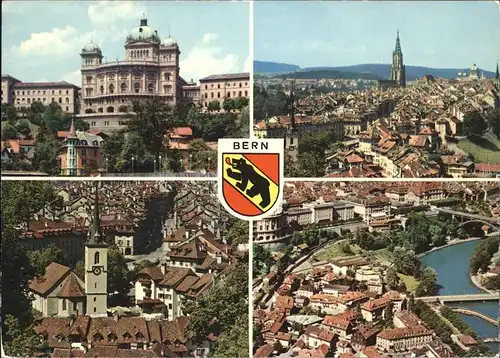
(64, 304)
(150, 88)
(96, 258)
(137, 87)
(239, 94)
(111, 88)
(123, 87)
(123, 109)
(110, 109)
(101, 90)
(89, 110)
(99, 110)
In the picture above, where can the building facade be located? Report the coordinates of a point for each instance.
(224, 87)
(23, 94)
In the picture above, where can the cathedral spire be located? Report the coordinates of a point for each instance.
(72, 132)
(95, 235)
(292, 108)
(398, 44)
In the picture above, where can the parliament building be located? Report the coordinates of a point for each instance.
(150, 69)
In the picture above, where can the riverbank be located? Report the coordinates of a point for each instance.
(450, 243)
(477, 282)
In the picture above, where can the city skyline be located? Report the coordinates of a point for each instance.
(47, 45)
(441, 29)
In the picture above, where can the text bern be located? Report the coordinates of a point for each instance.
(246, 145)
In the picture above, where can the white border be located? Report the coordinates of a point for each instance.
(251, 56)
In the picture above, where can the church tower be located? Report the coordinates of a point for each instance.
(71, 157)
(292, 135)
(96, 266)
(398, 72)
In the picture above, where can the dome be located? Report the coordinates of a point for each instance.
(143, 32)
(91, 47)
(169, 41)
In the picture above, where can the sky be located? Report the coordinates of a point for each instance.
(42, 40)
(449, 34)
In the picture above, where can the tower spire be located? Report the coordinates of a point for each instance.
(398, 44)
(95, 235)
(292, 108)
(72, 132)
(497, 76)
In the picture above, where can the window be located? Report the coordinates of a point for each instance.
(137, 87)
(218, 94)
(60, 100)
(101, 90)
(75, 307)
(111, 88)
(95, 286)
(95, 310)
(67, 92)
(64, 304)
(95, 298)
(60, 92)
(96, 258)
(123, 88)
(67, 108)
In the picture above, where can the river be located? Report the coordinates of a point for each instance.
(452, 266)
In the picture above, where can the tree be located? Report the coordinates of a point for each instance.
(80, 269)
(427, 284)
(175, 160)
(41, 259)
(474, 124)
(9, 113)
(9, 132)
(135, 147)
(411, 303)
(261, 259)
(483, 253)
(111, 150)
(237, 233)
(494, 122)
(241, 102)
(242, 129)
(151, 122)
(234, 342)
(311, 164)
(392, 279)
(46, 153)
(405, 261)
(23, 128)
(226, 303)
(118, 283)
(20, 341)
(214, 106)
(228, 105)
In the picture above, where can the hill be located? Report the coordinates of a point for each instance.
(314, 74)
(378, 70)
(273, 67)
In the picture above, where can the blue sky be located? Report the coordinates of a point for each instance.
(438, 34)
(41, 40)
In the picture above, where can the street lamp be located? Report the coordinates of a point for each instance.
(189, 163)
(106, 165)
(133, 158)
(154, 166)
(159, 164)
(182, 166)
(208, 163)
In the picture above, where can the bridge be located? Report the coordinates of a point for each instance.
(477, 297)
(469, 312)
(472, 217)
(491, 340)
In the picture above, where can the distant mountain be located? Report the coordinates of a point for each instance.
(377, 70)
(273, 67)
(327, 73)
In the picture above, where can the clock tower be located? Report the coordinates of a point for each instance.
(96, 266)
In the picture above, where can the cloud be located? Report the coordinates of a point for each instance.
(204, 60)
(108, 12)
(74, 77)
(247, 66)
(58, 42)
(209, 37)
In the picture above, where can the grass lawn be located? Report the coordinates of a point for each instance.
(410, 281)
(334, 252)
(485, 149)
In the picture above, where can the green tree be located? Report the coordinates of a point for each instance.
(427, 284)
(241, 102)
(494, 121)
(9, 132)
(392, 279)
(233, 342)
(46, 153)
(9, 113)
(135, 156)
(23, 128)
(242, 124)
(151, 121)
(214, 106)
(226, 302)
(228, 105)
(483, 253)
(175, 160)
(80, 269)
(261, 259)
(118, 282)
(19, 340)
(112, 149)
(474, 124)
(41, 259)
(237, 233)
(311, 164)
